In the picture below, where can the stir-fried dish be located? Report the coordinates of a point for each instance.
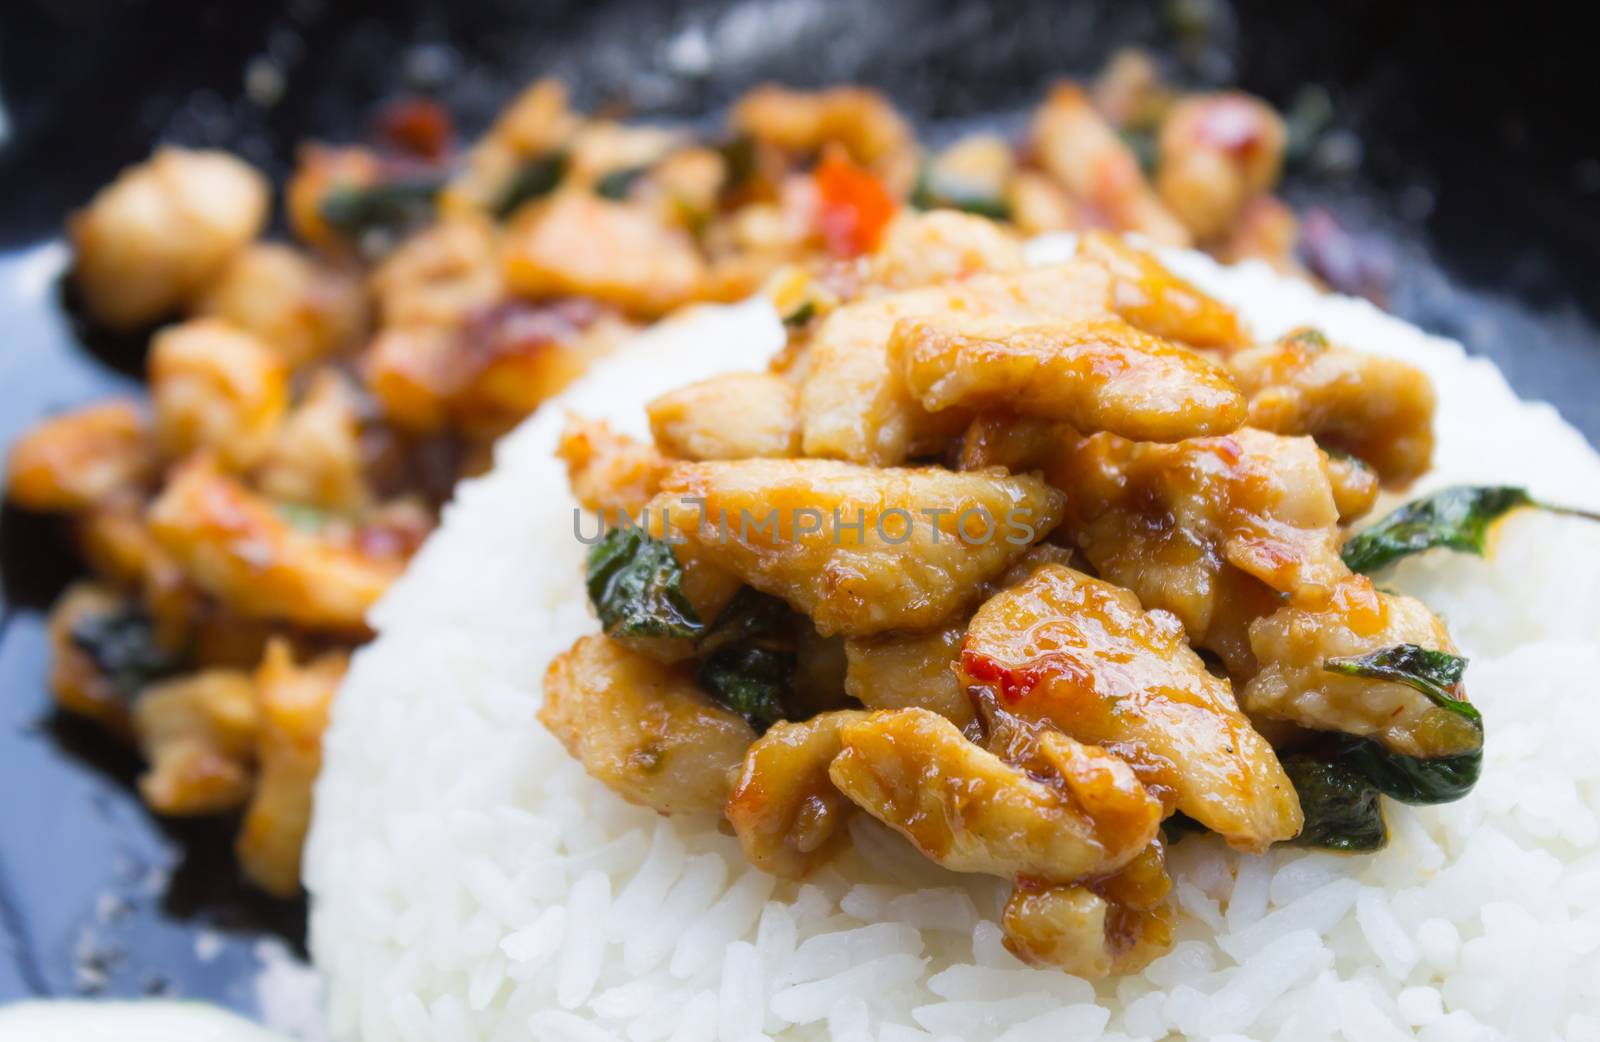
(1183, 491)
(1043, 568)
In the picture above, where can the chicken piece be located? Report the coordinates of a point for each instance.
(1096, 374)
(1076, 146)
(536, 124)
(198, 733)
(859, 550)
(113, 540)
(1377, 409)
(1210, 529)
(854, 404)
(294, 702)
(900, 670)
(233, 545)
(1075, 929)
(578, 243)
(1354, 484)
(643, 728)
(72, 461)
(1266, 230)
(976, 169)
(149, 241)
(486, 374)
(1039, 206)
(784, 808)
(610, 472)
(924, 249)
(733, 416)
(304, 310)
(441, 276)
(216, 387)
(1294, 643)
(1083, 655)
(316, 455)
(1080, 812)
(1000, 439)
(79, 681)
(802, 122)
(1129, 91)
(1148, 295)
(1218, 152)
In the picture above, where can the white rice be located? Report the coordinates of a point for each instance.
(470, 882)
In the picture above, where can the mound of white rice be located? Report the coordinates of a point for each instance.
(470, 882)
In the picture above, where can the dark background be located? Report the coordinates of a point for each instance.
(1478, 181)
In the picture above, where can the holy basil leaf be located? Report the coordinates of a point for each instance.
(934, 191)
(752, 616)
(738, 161)
(1457, 517)
(618, 183)
(636, 586)
(535, 179)
(750, 679)
(1412, 779)
(124, 650)
(1142, 143)
(374, 217)
(1433, 673)
(801, 315)
(1341, 807)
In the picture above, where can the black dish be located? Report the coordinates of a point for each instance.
(1479, 177)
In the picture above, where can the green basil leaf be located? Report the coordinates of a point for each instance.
(636, 586)
(1142, 143)
(124, 650)
(1412, 779)
(1341, 807)
(618, 183)
(750, 679)
(1433, 673)
(376, 217)
(534, 179)
(1457, 517)
(738, 161)
(935, 192)
(801, 315)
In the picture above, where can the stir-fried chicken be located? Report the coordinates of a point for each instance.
(909, 670)
(855, 404)
(1083, 655)
(1293, 645)
(1098, 374)
(968, 810)
(859, 550)
(1377, 409)
(1149, 296)
(785, 808)
(643, 728)
(735, 416)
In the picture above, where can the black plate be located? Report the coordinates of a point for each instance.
(1479, 174)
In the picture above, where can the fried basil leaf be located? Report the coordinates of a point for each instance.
(618, 183)
(1411, 779)
(636, 586)
(935, 191)
(1341, 807)
(123, 647)
(751, 679)
(801, 315)
(375, 217)
(738, 161)
(534, 179)
(1458, 517)
(1434, 673)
